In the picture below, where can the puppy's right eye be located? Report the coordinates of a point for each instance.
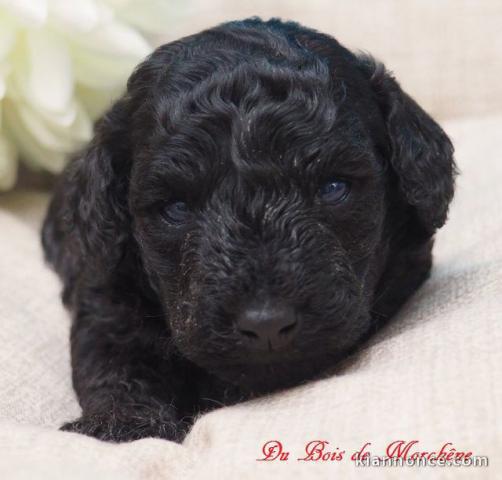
(175, 213)
(334, 192)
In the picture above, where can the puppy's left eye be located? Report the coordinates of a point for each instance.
(175, 213)
(335, 191)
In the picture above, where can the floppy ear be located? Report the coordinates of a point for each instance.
(87, 224)
(422, 154)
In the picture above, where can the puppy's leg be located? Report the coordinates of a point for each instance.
(126, 386)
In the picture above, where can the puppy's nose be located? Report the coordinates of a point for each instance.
(267, 326)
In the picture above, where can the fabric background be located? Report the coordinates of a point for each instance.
(434, 374)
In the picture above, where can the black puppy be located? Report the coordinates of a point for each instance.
(253, 207)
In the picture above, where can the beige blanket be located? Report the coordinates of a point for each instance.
(433, 375)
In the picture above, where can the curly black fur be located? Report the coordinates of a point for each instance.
(243, 123)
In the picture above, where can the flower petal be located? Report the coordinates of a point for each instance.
(114, 38)
(151, 16)
(96, 101)
(52, 136)
(62, 63)
(49, 81)
(77, 15)
(2, 87)
(7, 37)
(100, 72)
(104, 58)
(30, 149)
(32, 13)
(8, 164)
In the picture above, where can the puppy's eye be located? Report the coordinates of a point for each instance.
(335, 191)
(175, 213)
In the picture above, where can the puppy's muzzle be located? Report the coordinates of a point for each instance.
(267, 325)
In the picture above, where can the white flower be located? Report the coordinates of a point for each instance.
(62, 62)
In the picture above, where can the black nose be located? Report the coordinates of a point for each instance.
(267, 325)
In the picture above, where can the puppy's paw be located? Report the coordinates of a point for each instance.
(125, 429)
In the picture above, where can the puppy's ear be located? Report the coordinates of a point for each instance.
(87, 224)
(422, 154)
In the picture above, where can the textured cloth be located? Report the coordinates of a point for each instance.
(433, 375)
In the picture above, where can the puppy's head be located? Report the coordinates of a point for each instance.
(267, 177)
